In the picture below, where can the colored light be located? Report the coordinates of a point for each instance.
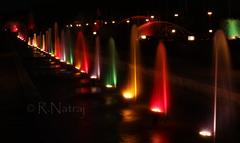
(159, 101)
(77, 74)
(133, 81)
(191, 38)
(158, 110)
(77, 67)
(111, 74)
(109, 86)
(128, 95)
(143, 37)
(231, 28)
(205, 133)
(176, 15)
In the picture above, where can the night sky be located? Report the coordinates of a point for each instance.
(54, 10)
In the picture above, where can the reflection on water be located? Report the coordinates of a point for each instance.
(129, 138)
(129, 115)
(157, 137)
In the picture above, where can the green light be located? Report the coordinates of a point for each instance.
(111, 78)
(232, 28)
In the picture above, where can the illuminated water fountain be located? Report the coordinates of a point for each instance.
(223, 112)
(97, 70)
(57, 44)
(111, 77)
(159, 101)
(69, 47)
(132, 89)
(81, 60)
(63, 46)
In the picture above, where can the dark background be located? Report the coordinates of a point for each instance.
(45, 12)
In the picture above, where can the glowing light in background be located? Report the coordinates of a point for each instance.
(109, 86)
(128, 21)
(191, 38)
(128, 95)
(160, 93)
(113, 22)
(205, 133)
(209, 13)
(176, 15)
(94, 33)
(143, 37)
(173, 31)
(152, 16)
(210, 31)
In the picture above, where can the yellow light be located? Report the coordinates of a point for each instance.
(205, 133)
(109, 86)
(143, 37)
(113, 21)
(78, 68)
(147, 20)
(173, 31)
(94, 33)
(209, 13)
(128, 95)
(152, 16)
(191, 38)
(156, 110)
(128, 21)
(176, 15)
(210, 30)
